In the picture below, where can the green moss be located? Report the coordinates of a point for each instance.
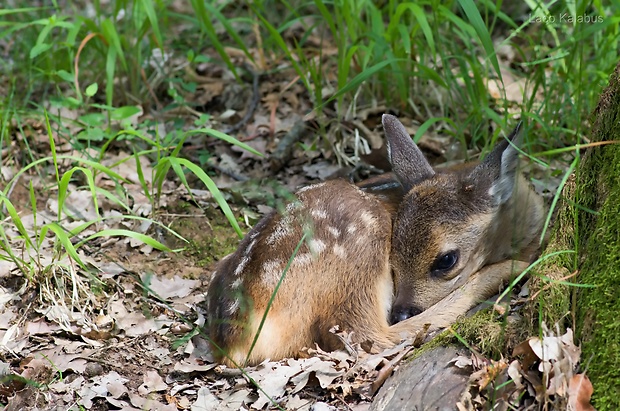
(207, 250)
(209, 238)
(207, 231)
(486, 331)
(442, 339)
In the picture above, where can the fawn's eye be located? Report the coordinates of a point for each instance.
(444, 263)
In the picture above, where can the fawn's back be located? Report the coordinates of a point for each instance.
(374, 255)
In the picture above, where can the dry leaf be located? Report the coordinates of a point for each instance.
(152, 383)
(168, 288)
(461, 361)
(579, 393)
(272, 377)
(514, 372)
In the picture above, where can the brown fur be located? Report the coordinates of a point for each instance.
(373, 251)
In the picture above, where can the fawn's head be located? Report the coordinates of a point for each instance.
(450, 223)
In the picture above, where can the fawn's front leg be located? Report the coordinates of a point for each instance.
(480, 287)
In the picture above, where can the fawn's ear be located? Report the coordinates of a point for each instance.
(408, 162)
(498, 171)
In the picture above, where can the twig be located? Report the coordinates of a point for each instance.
(386, 371)
(253, 104)
(233, 175)
(227, 371)
(283, 152)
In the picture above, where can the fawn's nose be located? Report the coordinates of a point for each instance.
(401, 313)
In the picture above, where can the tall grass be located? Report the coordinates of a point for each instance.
(425, 57)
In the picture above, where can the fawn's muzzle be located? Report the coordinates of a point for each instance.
(399, 314)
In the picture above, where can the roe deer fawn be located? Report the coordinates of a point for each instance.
(377, 254)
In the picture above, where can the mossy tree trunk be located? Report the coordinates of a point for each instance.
(598, 309)
(589, 223)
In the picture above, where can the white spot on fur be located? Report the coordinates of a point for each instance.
(233, 307)
(290, 207)
(334, 231)
(282, 230)
(319, 213)
(363, 194)
(248, 250)
(236, 284)
(340, 251)
(316, 246)
(352, 229)
(272, 271)
(302, 259)
(310, 187)
(368, 219)
(241, 266)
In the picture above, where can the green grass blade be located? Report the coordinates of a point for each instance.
(108, 30)
(275, 36)
(110, 69)
(16, 219)
(225, 137)
(230, 30)
(204, 18)
(427, 124)
(361, 77)
(176, 163)
(7, 11)
(147, 5)
(65, 241)
(475, 19)
(129, 234)
(273, 295)
(420, 17)
(519, 277)
(557, 195)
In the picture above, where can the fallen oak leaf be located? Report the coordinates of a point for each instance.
(488, 374)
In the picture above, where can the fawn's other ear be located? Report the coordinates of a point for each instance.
(408, 162)
(499, 169)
